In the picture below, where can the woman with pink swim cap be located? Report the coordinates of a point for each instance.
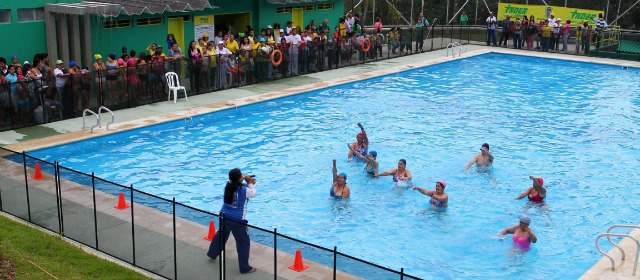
(439, 199)
(537, 192)
(523, 236)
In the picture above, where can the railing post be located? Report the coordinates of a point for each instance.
(1, 209)
(26, 184)
(133, 228)
(58, 198)
(275, 253)
(221, 244)
(175, 258)
(402, 273)
(335, 261)
(95, 211)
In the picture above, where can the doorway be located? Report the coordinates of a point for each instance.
(176, 27)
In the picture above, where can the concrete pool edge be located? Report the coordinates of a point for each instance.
(238, 102)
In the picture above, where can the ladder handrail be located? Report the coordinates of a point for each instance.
(84, 114)
(452, 46)
(619, 226)
(113, 116)
(608, 234)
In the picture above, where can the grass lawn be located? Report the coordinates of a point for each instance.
(27, 253)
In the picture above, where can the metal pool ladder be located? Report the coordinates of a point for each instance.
(452, 46)
(84, 115)
(113, 117)
(609, 234)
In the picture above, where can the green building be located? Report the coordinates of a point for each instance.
(71, 29)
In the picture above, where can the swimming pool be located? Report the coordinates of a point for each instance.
(575, 124)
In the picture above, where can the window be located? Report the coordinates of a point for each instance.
(30, 14)
(325, 6)
(283, 10)
(115, 23)
(5, 16)
(149, 21)
(308, 7)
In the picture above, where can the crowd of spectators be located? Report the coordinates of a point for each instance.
(548, 35)
(43, 90)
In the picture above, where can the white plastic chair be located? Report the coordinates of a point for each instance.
(173, 82)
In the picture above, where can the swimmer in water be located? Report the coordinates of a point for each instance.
(400, 174)
(523, 236)
(339, 188)
(439, 199)
(537, 192)
(361, 144)
(483, 160)
(371, 159)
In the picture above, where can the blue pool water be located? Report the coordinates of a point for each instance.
(575, 124)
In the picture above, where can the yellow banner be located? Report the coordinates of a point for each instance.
(518, 11)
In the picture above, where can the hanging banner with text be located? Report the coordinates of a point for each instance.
(204, 26)
(541, 12)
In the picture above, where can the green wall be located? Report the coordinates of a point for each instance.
(32, 38)
(268, 14)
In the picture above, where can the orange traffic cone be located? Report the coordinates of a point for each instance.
(298, 265)
(212, 231)
(38, 172)
(121, 202)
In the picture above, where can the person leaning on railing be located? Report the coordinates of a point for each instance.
(237, 192)
(601, 26)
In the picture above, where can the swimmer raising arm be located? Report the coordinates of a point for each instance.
(400, 173)
(439, 199)
(339, 187)
(361, 144)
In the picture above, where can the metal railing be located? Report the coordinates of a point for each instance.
(32, 101)
(609, 235)
(151, 232)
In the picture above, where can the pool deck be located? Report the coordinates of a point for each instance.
(71, 130)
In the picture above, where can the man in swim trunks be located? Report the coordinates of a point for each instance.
(537, 192)
(439, 199)
(339, 188)
(361, 144)
(523, 236)
(483, 160)
(401, 175)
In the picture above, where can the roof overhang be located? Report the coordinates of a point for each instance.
(114, 8)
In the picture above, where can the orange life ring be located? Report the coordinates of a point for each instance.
(275, 62)
(366, 45)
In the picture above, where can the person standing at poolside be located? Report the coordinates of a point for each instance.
(537, 192)
(491, 22)
(523, 236)
(361, 144)
(483, 160)
(439, 199)
(236, 197)
(401, 175)
(339, 188)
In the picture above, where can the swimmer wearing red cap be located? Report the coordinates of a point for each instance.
(439, 199)
(483, 160)
(537, 192)
(361, 144)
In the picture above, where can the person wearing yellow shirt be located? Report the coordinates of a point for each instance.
(546, 36)
(210, 60)
(232, 45)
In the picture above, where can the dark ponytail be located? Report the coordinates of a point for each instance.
(235, 181)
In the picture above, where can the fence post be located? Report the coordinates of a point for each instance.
(275, 253)
(1, 209)
(56, 173)
(26, 184)
(221, 244)
(95, 211)
(175, 258)
(402, 273)
(335, 261)
(133, 228)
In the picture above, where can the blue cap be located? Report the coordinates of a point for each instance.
(374, 154)
(73, 63)
(343, 175)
